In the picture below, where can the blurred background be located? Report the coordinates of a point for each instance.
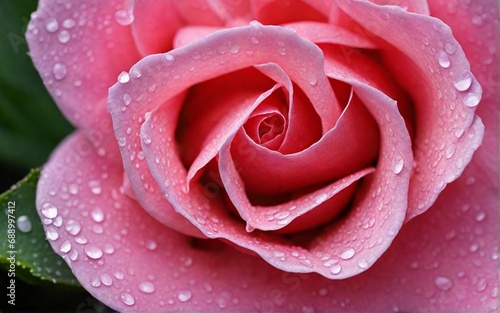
(30, 127)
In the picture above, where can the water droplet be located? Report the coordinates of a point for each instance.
(282, 215)
(472, 99)
(254, 40)
(362, 263)
(95, 187)
(63, 36)
(399, 164)
(450, 151)
(93, 251)
(65, 247)
(52, 234)
(119, 275)
(151, 245)
(443, 283)
(106, 279)
(234, 49)
(73, 256)
(68, 23)
(73, 227)
(123, 77)
(97, 215)
(127, 99)
(147, 287)
(463, 81)
(282, 51)
(480, 216)
(51, 25)
(59, 71)
(135, 72)
(124, 17)
(24, 223)
(168, 59)
(347, 254)
(127, 298)
(335, 269)
(49, 211)
(184, 295)
(450, 48)
(122, 141)
(108, 248)
(313, 81)
(443, 59)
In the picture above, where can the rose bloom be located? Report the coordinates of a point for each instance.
(285, 156)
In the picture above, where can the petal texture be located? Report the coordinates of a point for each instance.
(79, 50)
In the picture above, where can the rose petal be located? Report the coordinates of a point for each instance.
(79, 51)
(145, 95)
(265, 12)
(198, 12)
(328, 33)
(447, 130)
(279, 216)
(151, 16)
(347, 148)
(226, 128)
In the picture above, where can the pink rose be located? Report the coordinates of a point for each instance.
(308, 135)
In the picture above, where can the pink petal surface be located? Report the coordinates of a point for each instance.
(348, 147)
(329, 200)
(226, 128)
(265, 11)
(328, 33)
(154, 25)
(452, 266)
(77, 49)
(182, 62)
(211, 215)
(443, 110)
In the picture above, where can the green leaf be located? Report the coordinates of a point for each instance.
(29, 255)
(30, 123)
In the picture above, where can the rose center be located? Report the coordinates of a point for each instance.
(270, 127)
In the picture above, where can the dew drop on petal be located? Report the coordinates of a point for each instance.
(49, 211)
(147, 287)
(347, 254)
(65, 247)
(398, 166)
(335, 269)
(59, 70)
(362, 263)
(167, 59)
(106, 279)
(93, 252)
(124, 17)
(52, 234)
(472, 99)
(73, 227)
(127, 298)
(184, 295)
(450, 48)
(24, 223)
(443, 283)
(463, 81)
(95, 187)
(124, 77)
(51, 26)
(97, 215)
(127, 99)
(63, 36)
(68, 23)
(443, 59)
(135, 72)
